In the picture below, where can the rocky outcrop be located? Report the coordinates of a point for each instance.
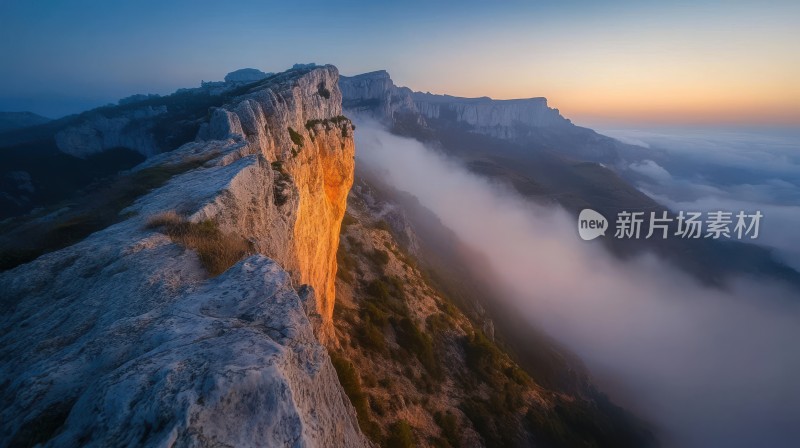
(99, 133)
(298, 125)
(374, 94)
(497, 118)
(123, 339)
(246, 75)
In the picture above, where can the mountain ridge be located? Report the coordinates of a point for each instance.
(551, 162)
(199, 317)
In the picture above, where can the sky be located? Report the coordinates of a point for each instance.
(727, 62)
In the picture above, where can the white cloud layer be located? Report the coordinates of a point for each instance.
(710, 368)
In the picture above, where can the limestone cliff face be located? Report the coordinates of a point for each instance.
(376, 95)
(123, 339)
(498, 118)
(298, 126)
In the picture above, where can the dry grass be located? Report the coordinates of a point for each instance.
(217, 250)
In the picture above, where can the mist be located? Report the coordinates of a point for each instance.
(708, 169)
(708, 368)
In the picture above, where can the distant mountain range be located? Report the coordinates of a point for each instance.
(547, 158)
(15, 120)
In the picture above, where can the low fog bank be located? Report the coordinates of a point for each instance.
(708, 169)
(708, 368)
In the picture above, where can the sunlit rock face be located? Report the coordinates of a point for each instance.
(299, 125)
(123, 339)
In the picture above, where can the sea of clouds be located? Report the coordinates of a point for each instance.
(709, 368)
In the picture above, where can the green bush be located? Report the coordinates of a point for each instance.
(449, 424)
(357, 245)
(379, 257)
(369, 310)
(352, 387)
(481, 354)
(377, 405)
(493, 424)
(323, 91)
(371, 336)
(346, 264)
(379, 290)
(420, 344)
(297, 139)
(400, 435)
(382, 225)
(347, 220)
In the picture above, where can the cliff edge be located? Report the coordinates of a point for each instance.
(151, 333)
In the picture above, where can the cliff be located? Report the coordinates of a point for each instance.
(130, 336)
(497, 118)
(375, 94)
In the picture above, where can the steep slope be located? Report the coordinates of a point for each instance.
(419, 359)
(129, 337)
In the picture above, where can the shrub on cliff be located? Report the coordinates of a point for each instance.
(217, 250)
(352, 388)
(297, 139)
(400, 435)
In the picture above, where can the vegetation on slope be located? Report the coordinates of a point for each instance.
(429, 375)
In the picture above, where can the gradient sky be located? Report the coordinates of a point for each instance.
(643, 61)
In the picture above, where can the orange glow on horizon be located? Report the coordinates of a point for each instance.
(770, 104)
(742, 67)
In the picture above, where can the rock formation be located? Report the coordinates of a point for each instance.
(376, 95)
(497, 118)
(298, 125)
(99, 133)
(246, 75)
(124, 339)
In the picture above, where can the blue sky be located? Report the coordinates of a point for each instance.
(591, 59)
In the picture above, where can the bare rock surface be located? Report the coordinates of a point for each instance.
(124, 339)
